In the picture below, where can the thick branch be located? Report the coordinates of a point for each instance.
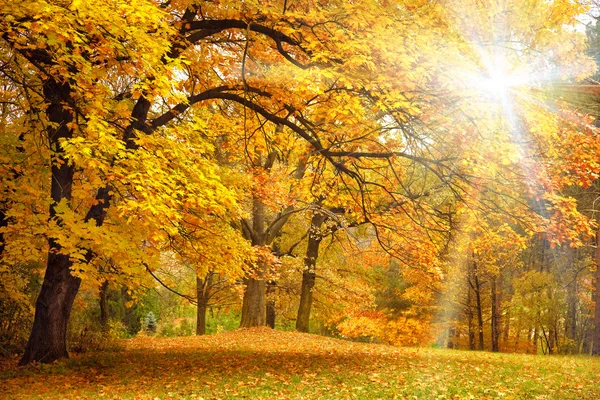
(212, 26)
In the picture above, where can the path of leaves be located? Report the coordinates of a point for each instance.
(262, 363)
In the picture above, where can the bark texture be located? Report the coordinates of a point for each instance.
(48, 340)
(253, 305)
(254, 302)
(309, 274)
(203, 294)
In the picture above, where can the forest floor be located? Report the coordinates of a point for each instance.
(261, 363)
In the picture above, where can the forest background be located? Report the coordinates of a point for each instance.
(408, 172)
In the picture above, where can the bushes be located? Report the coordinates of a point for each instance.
(95, 339)
(19, 286)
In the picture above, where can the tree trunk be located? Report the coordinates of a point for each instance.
(550, 340)
(253, 305)
(479, 307)
(495, 317)
(270, 316)
(571, 322)
(48, 340)
(104, 316)
(596, 337)
(202, 296)
(469, 309)
(536, 335)
(506, 330)
(309, 273)
(201, 318)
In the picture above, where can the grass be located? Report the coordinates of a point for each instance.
(268, 364)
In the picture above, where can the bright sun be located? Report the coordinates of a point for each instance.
(497, 83)
(496, 77)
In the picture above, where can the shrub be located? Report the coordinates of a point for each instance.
(150, 323)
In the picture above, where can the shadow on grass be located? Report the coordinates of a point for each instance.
(143, 371)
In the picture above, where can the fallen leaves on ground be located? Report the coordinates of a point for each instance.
(262, 363)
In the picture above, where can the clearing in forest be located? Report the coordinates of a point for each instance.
(262, 363)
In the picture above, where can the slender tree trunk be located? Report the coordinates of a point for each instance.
(309, 273)
(479, 307)
(587, 336)
(104, 316)
(469, 309)
(596, 337)
(571, 322)
(270, 312)
(203, 287)
(551, 340)
(48, 340)
(495, 317)
(505, 330)
(536, 336)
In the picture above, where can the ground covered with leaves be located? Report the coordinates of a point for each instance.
(262, 363)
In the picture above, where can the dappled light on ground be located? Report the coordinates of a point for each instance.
(262, 363)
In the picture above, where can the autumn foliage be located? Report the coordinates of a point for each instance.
(393, 171)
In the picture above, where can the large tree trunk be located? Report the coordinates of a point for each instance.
(48, 340)
(253, 306)
(309, 273)
(596, 337)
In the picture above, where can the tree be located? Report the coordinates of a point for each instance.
(130, 100)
